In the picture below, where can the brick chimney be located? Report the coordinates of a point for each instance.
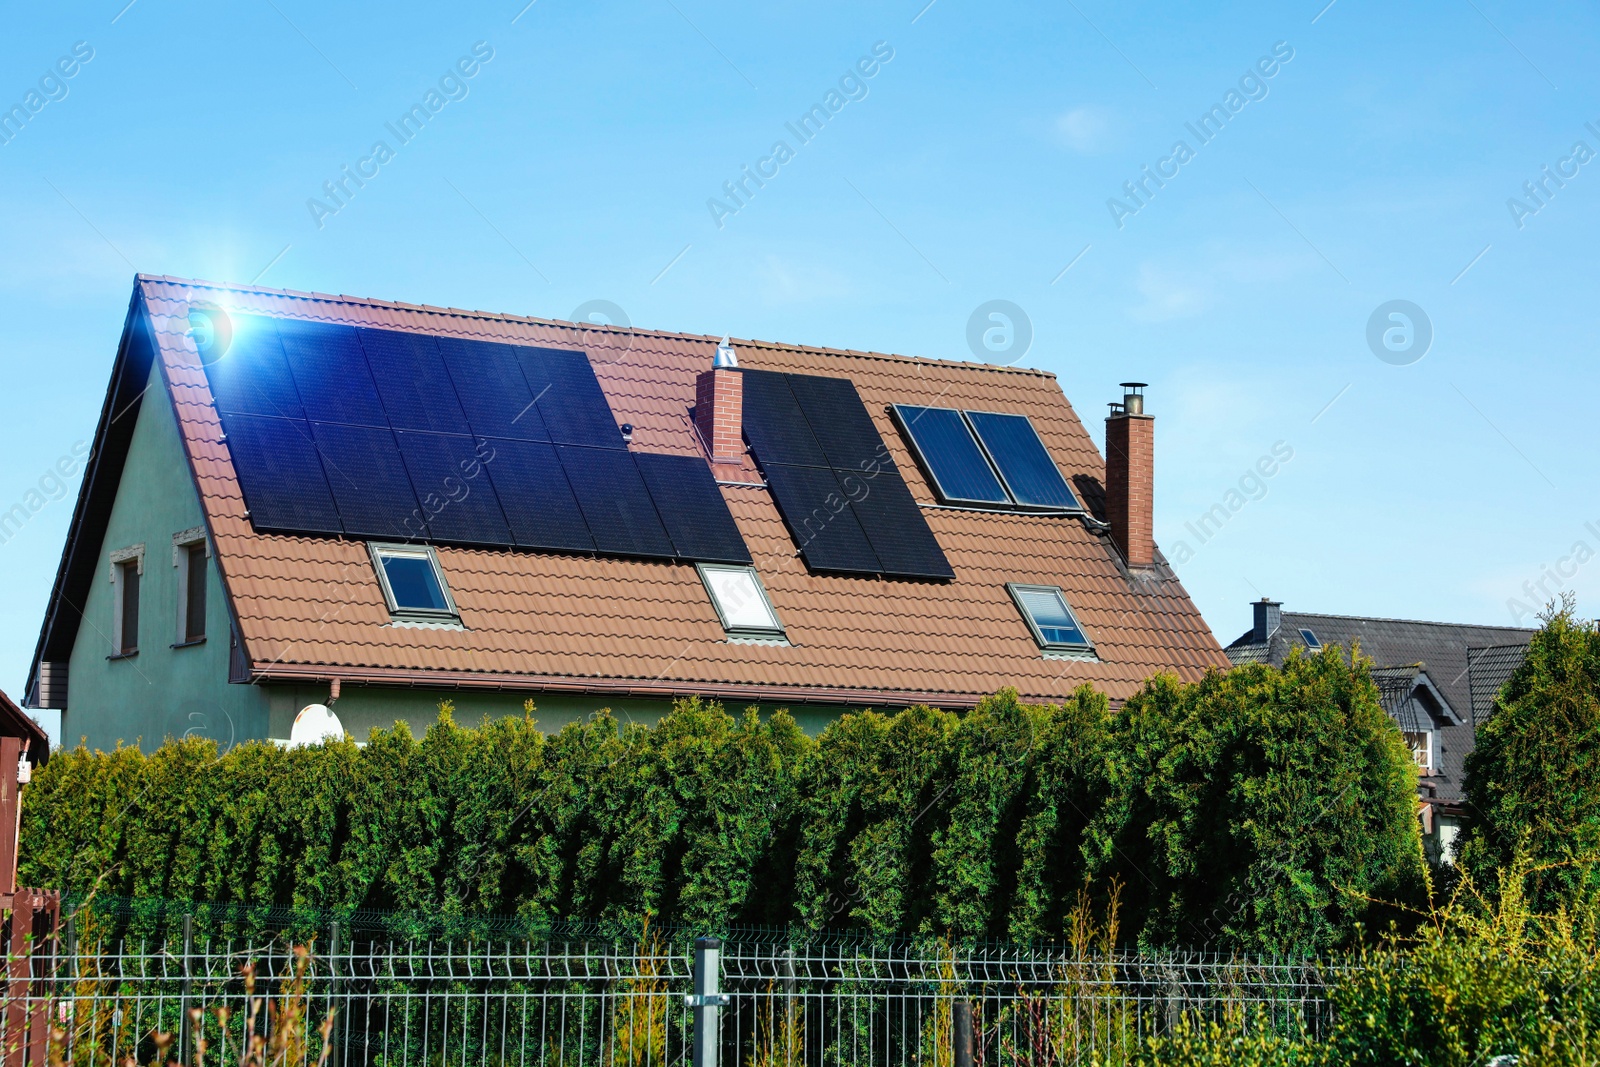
(1130, 477)
(719, 405)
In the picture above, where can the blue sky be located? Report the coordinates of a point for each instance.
(576, 164)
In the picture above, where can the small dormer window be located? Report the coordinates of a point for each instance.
(413, 584)
(1045, 609)
(741, 601)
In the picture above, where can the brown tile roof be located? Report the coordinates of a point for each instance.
(310, 607)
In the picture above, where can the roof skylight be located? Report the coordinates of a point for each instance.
(413, 584)
(740, 600)
(1048, 616)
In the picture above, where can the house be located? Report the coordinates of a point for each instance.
(297, 499)
(1437, 680)
(23, 746)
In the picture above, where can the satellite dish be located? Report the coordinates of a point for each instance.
(314, 725)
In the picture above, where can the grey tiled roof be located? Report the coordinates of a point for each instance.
(1444, 650)
(1489, 669)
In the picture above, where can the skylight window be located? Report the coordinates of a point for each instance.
(1313, 642)
(1048, 616)
(413, 584)
(740, 600)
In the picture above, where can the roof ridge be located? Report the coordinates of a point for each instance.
(625, 331)
(1411, 622)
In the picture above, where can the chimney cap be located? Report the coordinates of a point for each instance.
(725, 357)
(1134, 385)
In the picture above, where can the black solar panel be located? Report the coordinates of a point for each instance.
(415, 388)
(280, 475)
(252, 377)
(820, 519)
(369, 482)
(413, 437)
(458, 500)
(495, 395)
(569, 398)
(775, 424)
(535, 495)
(839, 421)
(614, 501)
(692, 508)
(894, 525)
(1030, 474)
(954, 462)
(335, 382)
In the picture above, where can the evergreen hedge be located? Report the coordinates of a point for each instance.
(1533, 781)
(1255, 809)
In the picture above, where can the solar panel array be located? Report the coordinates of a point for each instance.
(382, 435)
(985, 459)
(836, 485)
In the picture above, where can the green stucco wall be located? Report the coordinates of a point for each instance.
(163, 691)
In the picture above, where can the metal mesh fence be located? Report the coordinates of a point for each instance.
(532, 1003)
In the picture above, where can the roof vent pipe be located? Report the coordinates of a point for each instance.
(725, 356)
(1133, 398)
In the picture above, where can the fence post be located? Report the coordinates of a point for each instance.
(706, 1000)
(961, 1032)
(334, 1044)
(188, 989)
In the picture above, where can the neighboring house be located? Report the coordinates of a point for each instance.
(1437, 680)
(297, 499)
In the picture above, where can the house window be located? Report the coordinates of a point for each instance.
(1313, 642)
(189, 556)
(413, 585)
(1421, 744)
(741, 601)
(127, 570)
(1048, 616)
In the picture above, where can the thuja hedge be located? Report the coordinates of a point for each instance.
(1258, 808)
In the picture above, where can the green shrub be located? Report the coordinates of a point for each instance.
(1259, 809)
(1533, 780)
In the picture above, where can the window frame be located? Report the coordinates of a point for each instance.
(1309, 636)
(777, 633)
(184, 546)
(1016, 589)
(379, 549)
(123, 562)
(1425, 765)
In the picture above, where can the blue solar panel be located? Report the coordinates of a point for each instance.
(820, 519)
(692, 508)
(894, 525)
(458, 500)
(281, 476)
(839, 422)
(535, 495)
(369, 482)
(252, 376)
(614, 501)
(776, 426)
(1031, 476)
(947, 451)
(335, 382)
(415, 388)
(569, 398)
(493, 392)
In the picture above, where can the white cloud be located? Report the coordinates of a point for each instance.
(1168, 295)
(1085, 129)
